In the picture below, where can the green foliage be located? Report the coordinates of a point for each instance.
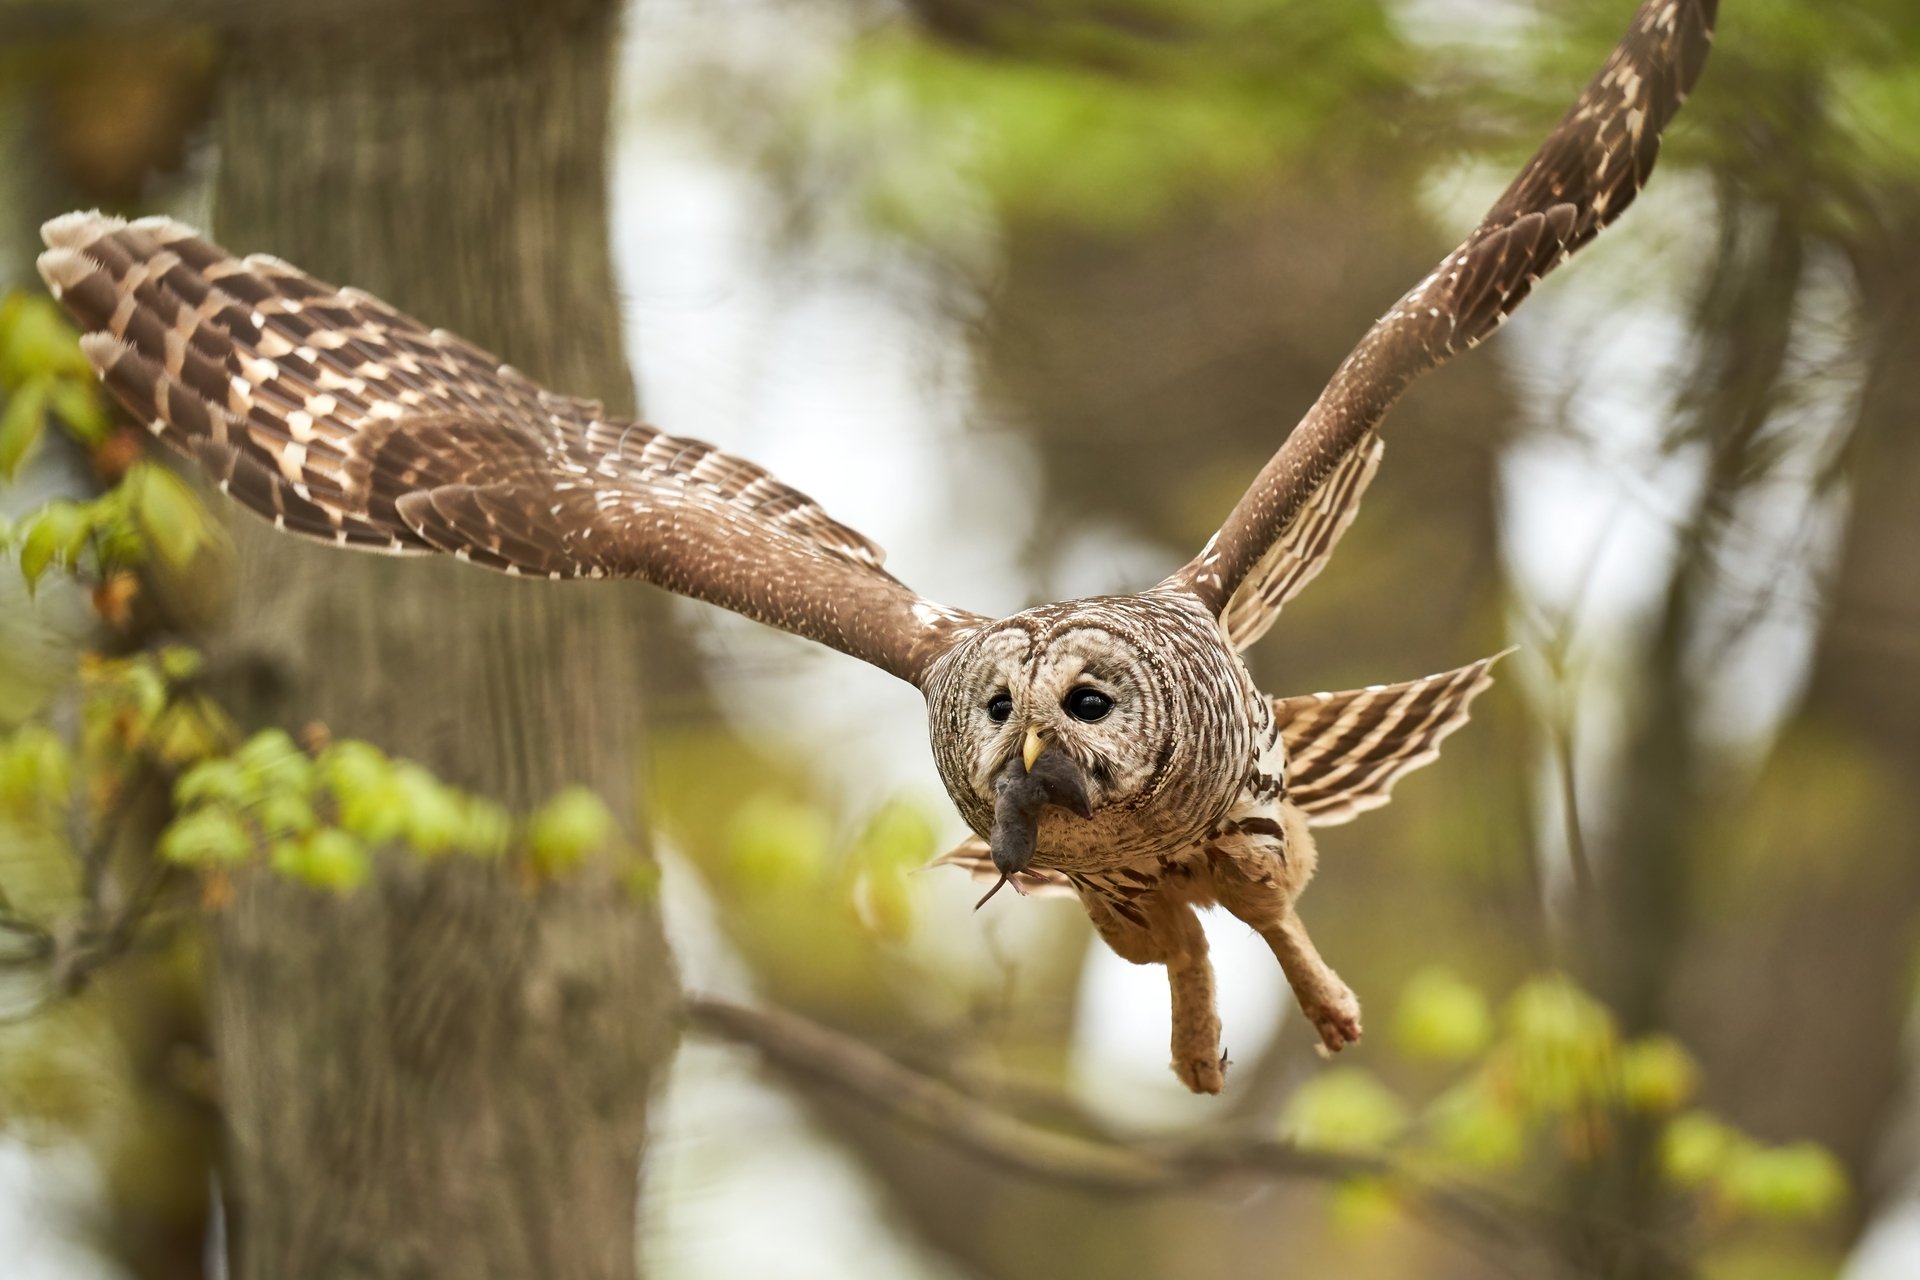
(1554, 1077)
(898, 841)
(1104, 113)
(1441, 1017)
(775, 843)
(42, 375)
(569, 828)
(150, 510)
(1797, 1181)
(820, 900)
(148, 513)
(1345, 1109)
(318, 816)
(36, 774)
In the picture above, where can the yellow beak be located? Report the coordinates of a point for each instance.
(1031, 749)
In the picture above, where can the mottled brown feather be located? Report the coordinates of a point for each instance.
(337, 417)
(1346, 750)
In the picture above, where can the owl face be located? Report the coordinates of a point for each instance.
(1140, 694)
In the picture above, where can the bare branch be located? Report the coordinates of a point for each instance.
(860, 1073)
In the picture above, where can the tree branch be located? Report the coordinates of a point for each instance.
(845, 1066)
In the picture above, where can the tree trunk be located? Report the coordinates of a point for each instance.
(447, 1073)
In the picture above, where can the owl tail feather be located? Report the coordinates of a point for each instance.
(1346, 750)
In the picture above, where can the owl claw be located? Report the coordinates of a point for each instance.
(1202, 1075)
(1338, 1023)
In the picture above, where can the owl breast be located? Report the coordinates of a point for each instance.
(1162, 766)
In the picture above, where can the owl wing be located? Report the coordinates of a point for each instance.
(1346, 750)
(1588, 171)
(337, 417)
(1303, 548)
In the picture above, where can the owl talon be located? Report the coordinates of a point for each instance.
(1203, 1075)
(1338, 1022)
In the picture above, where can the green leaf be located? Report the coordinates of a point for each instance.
(1695, 1147)
(773, 843)
(1802, 1180)
(898, 835)
(77, 403)
(36, 771)
(1442, 1017)
(274, 763)
(35, 339)
(1657, 1074)
(283, 813)
(487, 831)
(332, 859)
(179, 662)
(375, 810)
(1471, 1123)
(55, 533)
(432, 814)
(350, 767)
(145, 689)
(211, 836)
(192, 729)
(1346, 1109)
(564, 831)
(214, 781)
(166, 513)
(22, 421)
(1560, 1044)
(883, 901)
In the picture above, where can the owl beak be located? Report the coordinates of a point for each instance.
(1030, 749)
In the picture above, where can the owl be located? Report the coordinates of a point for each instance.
(1115, 748)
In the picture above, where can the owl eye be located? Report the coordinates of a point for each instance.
(1088, 704)
(1000, 708)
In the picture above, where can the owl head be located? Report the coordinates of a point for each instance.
(1131, 710)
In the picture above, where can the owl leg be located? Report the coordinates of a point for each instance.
(1172, 936)
(1259, 887)
(1327, 1001)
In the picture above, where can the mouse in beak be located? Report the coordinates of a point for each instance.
(1025, 786)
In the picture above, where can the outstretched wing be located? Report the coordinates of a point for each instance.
(1346, 750)
(337, 417)
(1583, 177)
(1303, 548)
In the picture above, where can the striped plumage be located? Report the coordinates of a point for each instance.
(337, 417)
(1174, 782)
(1346, 750)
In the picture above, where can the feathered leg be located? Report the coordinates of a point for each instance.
(1172, 936)
(1260, 891)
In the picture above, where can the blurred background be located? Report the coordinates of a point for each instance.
(1026, 290)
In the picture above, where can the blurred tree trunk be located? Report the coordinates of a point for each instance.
(446, 1074)
(1822, 893)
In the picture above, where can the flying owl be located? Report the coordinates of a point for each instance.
(1113, 747)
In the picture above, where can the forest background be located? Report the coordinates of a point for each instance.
(1026, 290)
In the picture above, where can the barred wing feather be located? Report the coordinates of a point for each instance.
(337, 417)
(1346, 750)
